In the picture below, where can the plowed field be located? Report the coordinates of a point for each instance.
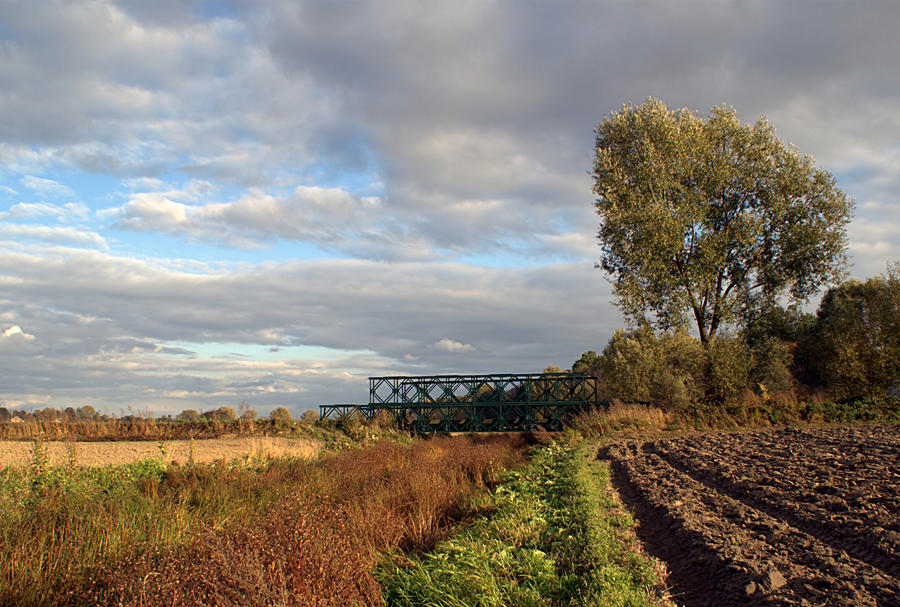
(780, 517)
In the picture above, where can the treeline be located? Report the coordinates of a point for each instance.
(86, 423)
(849, 349)
(87, 413)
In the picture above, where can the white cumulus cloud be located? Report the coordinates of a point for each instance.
(453, 346)
(15, 332)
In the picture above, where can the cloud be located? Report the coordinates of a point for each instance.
(450, 345)
(54, 234)
(406, 139)
(330, 217)
(15, 332)
(37, 210)
(46, 188)
(121, 329)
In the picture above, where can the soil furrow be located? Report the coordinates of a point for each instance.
(730, 539)
(840, 533)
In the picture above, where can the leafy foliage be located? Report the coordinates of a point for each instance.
(556, 538)
(712, 218)
(857, 336)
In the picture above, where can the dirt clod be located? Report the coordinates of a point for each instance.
(775, 517)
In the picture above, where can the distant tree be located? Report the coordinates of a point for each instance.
(5, 415)
(48, 414)
(310, 416)
(280, 414)
(857, 336)
(223, 414)
(246, 412)
(226, 414)
(552, 369)
(711, 218)
(87, 412)
(188, 415)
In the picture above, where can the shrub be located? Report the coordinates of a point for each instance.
(189, 415)
(730, 364)
(641, 366)
(309, 416)
(857, 336)
(280, 414)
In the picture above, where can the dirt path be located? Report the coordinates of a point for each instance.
(18, 453)
(782, 517)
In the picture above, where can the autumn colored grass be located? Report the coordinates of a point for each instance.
(276, 531)
(621, 416)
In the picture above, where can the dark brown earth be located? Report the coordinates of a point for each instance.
(777, 517)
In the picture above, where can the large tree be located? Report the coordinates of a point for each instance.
(711, 218)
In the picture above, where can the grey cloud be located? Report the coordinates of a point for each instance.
(474, 121)
(116, 316)
(361, 226)
(497, 102)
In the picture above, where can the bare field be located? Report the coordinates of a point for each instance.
(18, 453)
(777, 517)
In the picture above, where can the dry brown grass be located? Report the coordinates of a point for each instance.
(621, 416)
(318, 545)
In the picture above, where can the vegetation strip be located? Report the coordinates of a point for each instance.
(556, 537)
(253, 532)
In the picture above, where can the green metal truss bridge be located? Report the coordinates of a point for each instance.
(477, 403)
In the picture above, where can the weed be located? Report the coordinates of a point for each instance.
(40, 461)
(71, 454)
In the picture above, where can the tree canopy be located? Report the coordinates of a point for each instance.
(711, 218)
(857, 336)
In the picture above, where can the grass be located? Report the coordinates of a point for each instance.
(779, 412)
(282, 531)
(58, 524)
(622, 418)
(556, 537)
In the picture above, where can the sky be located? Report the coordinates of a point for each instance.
(209, 203)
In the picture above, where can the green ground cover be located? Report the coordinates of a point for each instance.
(556, 537)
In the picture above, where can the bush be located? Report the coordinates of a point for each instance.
(309, 416)
(189, 415)
(280, 414)
(730, 364)
(857, 336)
(641, 366)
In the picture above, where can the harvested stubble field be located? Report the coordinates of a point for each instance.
(777, 517)
(83, 453)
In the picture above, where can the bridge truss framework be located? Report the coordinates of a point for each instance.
(477, 403)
